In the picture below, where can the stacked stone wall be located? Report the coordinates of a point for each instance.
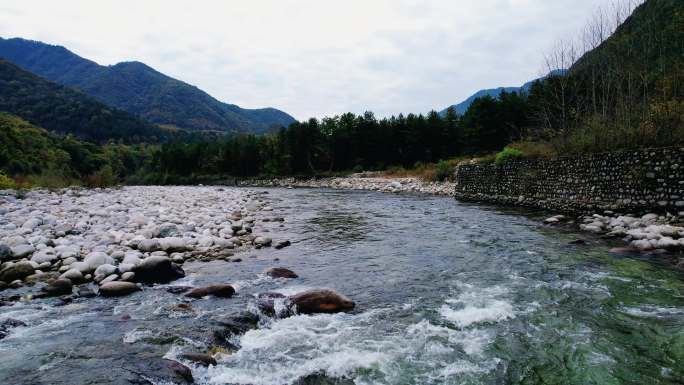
(643, 180)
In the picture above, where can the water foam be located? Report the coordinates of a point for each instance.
(477, 305)
(361, 345)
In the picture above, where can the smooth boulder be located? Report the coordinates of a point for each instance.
(281, 272)
(157, 269)
(19, 270)
(321, 301)
(59, 286)
(118, 288)
(22, 251)
(97, 259)
(221, 290)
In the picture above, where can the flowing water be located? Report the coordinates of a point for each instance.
(446, 293)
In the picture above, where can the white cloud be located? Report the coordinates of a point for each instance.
(314, 57)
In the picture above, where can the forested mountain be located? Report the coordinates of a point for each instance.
(626, 90)
(61, 109)
(140, 90)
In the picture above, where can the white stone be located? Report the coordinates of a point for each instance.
(105, 270)
(97, 258)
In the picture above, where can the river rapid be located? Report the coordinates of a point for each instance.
(445, 293)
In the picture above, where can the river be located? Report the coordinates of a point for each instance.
(445, 292)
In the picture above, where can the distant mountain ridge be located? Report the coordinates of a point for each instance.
(140, 90)
(66, 111)
(462, 107)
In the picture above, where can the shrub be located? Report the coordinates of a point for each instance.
(443, 170)
(6, 182)
(508, 154)
(103, 178)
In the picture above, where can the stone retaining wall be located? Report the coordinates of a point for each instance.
(643, 180)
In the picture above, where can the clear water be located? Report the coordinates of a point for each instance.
(446, 293)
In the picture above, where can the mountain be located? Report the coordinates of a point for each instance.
(140, 90)
(61, 109)
(649, 45)
(462, 107)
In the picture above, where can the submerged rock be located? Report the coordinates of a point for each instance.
(281, 244)
(281, 272)
(221, 290)
(168, 371)
(234, 326)
(199, 358)
(8, 324)
(266, 303)
(321, 301)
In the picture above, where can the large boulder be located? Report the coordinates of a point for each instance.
(118, 288)
(320, 301)
(19, 270)
(221, 290)
(157, 269)
(281, 272)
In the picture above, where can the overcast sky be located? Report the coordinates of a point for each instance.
(314, 57)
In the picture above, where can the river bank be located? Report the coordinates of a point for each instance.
(360, 181)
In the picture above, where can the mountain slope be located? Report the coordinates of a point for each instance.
(66, 111)
(462, 107)
(139, 89)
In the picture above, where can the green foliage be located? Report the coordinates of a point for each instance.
(444, 170)
(104, 177)
(6, 182)
(39, 158)
(507, 155)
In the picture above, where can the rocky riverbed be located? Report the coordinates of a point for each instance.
(373, 289)
(649, 233)
(362, 181)
(134, 235)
